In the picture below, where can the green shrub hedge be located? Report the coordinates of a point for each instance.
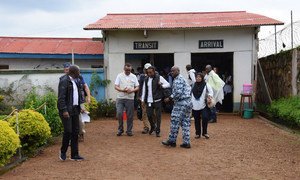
(92, 108)
(106, 108)
(9, 142)
(286, 111)
(33, 128)
(33, 101)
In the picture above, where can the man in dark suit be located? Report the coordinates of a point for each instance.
(69, 100)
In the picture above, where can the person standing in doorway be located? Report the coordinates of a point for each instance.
(200, 91)
(217, 85)
(126, 84)
(180, 116)
(68, 104)
(191, 74)
(152, 95)
(144, 116)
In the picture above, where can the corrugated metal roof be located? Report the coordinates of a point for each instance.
(50, 45)
(181, 20)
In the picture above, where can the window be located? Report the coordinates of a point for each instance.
(4, 66)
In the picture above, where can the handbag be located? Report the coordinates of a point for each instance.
(210, 101)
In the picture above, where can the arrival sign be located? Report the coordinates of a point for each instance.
(211, 44)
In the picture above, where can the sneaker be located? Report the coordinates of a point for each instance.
(169, 143)
(206, 136)
(151, 130)
(197, 137)
(157, 134)
(129, 134)
(185, 145)
(119, 133)
(62, 156)
(77, 158)
(145, 131)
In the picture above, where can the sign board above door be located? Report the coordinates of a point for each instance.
(142, 45)
(211, 44)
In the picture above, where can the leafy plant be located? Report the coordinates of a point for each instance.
(3, 108)
(92, 108)
(34, 129)
(34, 101)
(287, 111)
(106, 108)
(96, 82)
(9, 142)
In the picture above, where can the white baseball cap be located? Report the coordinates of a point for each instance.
(147, 65)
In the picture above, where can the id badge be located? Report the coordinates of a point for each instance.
(149, 104)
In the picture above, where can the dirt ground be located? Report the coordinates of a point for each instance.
(237, 149)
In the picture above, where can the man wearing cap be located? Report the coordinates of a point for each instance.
(126, 84)
(151, 97)
(144, 116)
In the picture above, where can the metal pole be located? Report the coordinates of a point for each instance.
(72, 56)
(292, 33)
(18, 132)
(275, 40)
(45, 108)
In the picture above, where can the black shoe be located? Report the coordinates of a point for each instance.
(129, 134)
(77, 158)
(62, 156)
(157, 134)
(152, 130)
(185, 145)
(168, 143)
(212, 121)
(145, 131)
(197, 137)
(119, 133)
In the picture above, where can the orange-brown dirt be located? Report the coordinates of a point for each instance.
(237, 149)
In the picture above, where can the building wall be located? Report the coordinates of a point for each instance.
(19, 64)
(182, 43)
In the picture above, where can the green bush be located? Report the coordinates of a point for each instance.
(106, 108)
(287, 110)
(33, 101)
(92, 108)
(33, 128)
(9, 142)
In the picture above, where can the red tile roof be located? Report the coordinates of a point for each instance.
(50, 45)
(181, 20)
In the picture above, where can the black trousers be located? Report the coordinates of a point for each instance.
(71, 131)
(157, 107)
(205, 113)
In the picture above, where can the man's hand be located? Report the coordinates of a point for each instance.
(167, 100)
(88, 99)
(66, 115)
(129, 91)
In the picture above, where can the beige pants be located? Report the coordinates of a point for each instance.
(145, 119)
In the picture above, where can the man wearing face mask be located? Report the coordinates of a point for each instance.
(69, 100)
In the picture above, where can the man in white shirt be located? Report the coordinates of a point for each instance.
(126, 84)
(68, 103)
(151, 97)
(191, 75)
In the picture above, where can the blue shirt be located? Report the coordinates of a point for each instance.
(180, 89)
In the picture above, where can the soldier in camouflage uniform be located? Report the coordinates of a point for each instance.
(181, 95)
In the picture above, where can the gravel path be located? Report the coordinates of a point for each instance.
(237, 149)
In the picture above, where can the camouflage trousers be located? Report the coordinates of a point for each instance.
(180, 116)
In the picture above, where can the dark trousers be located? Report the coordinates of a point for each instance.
(71, 131)
(128, 105)
(157, 107)
(205, 113)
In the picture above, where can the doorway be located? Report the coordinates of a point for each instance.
(223, 62)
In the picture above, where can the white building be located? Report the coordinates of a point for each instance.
(227, 40)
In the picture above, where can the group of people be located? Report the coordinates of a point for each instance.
(195, 96)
